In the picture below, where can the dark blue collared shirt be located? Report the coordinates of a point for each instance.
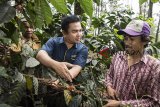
(57, 49)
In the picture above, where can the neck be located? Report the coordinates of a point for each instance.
(69, 45)
(132, 59)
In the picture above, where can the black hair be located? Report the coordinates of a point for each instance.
(67, 20)
(145, 39)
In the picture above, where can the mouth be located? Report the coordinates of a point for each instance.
(29, 32)
(128, 47)
(78, 39)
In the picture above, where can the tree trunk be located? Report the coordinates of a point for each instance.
(150, 9)
(140, 9)
(157, 32)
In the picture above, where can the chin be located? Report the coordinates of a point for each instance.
(77, 41)
(131, 52)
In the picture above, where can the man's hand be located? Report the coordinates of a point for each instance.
(62, 71)
(112, 103)
(69, 65)
(112, 93)
(61, 68)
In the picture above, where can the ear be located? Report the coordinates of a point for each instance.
(145, 43)
(64, 33)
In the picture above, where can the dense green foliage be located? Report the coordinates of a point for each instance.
(21, 75)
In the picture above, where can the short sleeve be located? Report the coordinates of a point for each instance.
(49, 46)
(81, 57)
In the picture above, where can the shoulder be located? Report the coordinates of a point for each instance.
(81, 46)
(56, 39)
(153, 62)
(120, 54)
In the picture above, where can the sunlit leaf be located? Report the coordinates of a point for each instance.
(29, 83)
(94, 62)
(32, 62)
(60, 5)
(87, 6)
(67, 96)
(154, 1)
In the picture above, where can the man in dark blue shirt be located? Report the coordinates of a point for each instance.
(65, 52)
(65, 55)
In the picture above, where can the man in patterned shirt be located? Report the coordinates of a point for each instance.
(134, 77)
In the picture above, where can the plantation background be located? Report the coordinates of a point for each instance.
(22, 78)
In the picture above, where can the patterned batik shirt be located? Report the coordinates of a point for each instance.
(137, 85)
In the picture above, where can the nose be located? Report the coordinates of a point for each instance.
(29, 29)
(127, 40)
(80, 33)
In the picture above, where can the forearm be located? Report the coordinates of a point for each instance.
(75, 70)
(45, 59)
(108, 81)
(138, 103)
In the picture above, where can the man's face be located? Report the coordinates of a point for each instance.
(28, 30)
(74, 33)
(133, 45)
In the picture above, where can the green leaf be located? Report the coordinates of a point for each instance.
(3, 72)
(15, 37)
(32, 62)
(97, 2)
(94, 62)
(76, 101)
(39, 21)
(18, 91)
(67, 96)
(29, 83)
(35, 85)
(39, 13)
(142, 1)
(154, 1)
(46, 11)
(87, 6)
(7, 13)
(6, 41)
(5, 105)
(71, 1)
(60, 5)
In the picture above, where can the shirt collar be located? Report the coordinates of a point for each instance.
(144, 59)
(61, 41)
(123, 56)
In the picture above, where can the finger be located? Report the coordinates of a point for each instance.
(111, 95)
(116, 97)
(70, 65)
(55, 86)
(57, 81)
(68, 75)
